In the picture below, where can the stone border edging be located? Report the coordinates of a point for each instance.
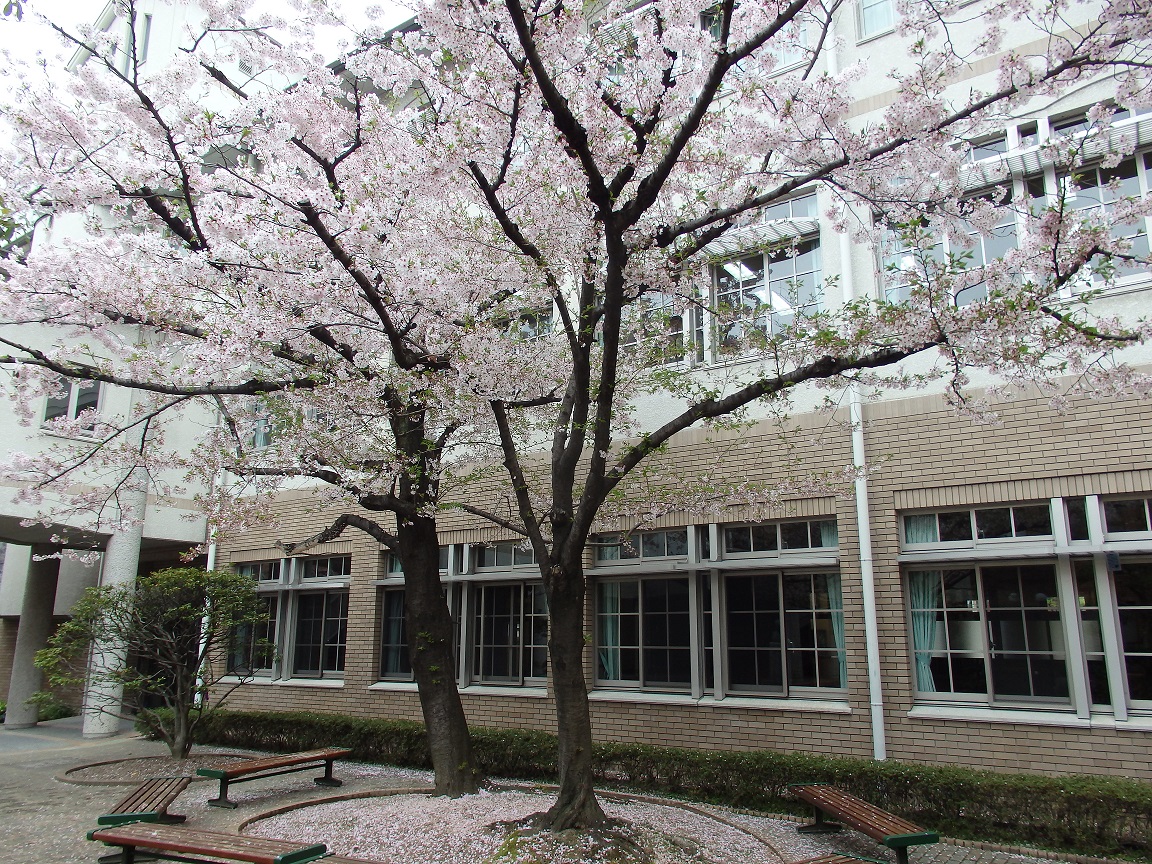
(76, 781)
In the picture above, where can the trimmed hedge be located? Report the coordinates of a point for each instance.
(1095, 815)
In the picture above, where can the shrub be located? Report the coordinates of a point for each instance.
(1093, 815)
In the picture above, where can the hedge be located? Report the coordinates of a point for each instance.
(1094, 815)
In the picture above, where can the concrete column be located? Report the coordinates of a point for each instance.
(32, 635)
(103, 699)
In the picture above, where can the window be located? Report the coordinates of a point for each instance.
(758, 297)
(642, 544)
(778, 632)
(1134, 604)
(644, 633)
(774, 536)
(1095, 191)
(989, 631)
(783, 631)
(260, 571)
(971, 526)
(335, 567)
(394, 662)
(875, 16)
(510, 632)
(919, 255)
(1126, 516)
(505, 554)
(75, 398)
(659, 333)
(321, 634)
(253, 648)
(396, 567)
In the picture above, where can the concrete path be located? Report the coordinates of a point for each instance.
(43, 819)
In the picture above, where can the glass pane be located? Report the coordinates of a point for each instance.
(652, 544)
(921, 529)
(794, 535)
(764, 538)
(955, 526)
(993, 522)
(1032, 521)
(676, 542)
(1125, 516)
(1077, 518)
(57, 406)
(738, 539)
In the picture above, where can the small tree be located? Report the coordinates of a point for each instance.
(173, 632)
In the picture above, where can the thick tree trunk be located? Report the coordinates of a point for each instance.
(576, 805)
(433, 661)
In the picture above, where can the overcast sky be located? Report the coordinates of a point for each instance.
(30, 37)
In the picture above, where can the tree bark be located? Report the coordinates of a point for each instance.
(576, 805)
(430, 632)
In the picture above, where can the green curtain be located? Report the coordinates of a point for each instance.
(836, 605)
(608, 614)
(925, 597)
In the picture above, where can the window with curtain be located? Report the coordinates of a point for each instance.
(989, 630)
(394, 662)
(644, 633)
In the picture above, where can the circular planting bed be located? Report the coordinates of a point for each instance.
(490, 827)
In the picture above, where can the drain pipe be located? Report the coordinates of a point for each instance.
(863, 516)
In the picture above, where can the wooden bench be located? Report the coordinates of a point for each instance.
(893, 831)
(148, 802)
(836, 858)
(271, 766)
(176, 843)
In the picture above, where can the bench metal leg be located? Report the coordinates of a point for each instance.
(222, 799)
(819, 826)
(901, 854)
(328, 779)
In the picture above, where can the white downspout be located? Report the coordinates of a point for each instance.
(863, 516)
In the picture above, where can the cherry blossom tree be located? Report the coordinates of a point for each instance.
(362, 255)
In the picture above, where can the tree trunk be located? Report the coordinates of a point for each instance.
(430, 632)
(576, 805)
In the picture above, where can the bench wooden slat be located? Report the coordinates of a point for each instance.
(887, 828)
(234, 847)
(893, 831)
(148, 802)
(265, 763)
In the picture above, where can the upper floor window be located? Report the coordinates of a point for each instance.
(334, 567)
(1126, 515)
(875, 16)
(260, 571)
(665, 331)
(75, 398)
(758, 297)
(981, 523)
(643, 544)
(1095, 192)
(396, 567)
(504, 554)
(921, 254)
(774, 536)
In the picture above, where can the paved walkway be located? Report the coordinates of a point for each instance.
(45, 819)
